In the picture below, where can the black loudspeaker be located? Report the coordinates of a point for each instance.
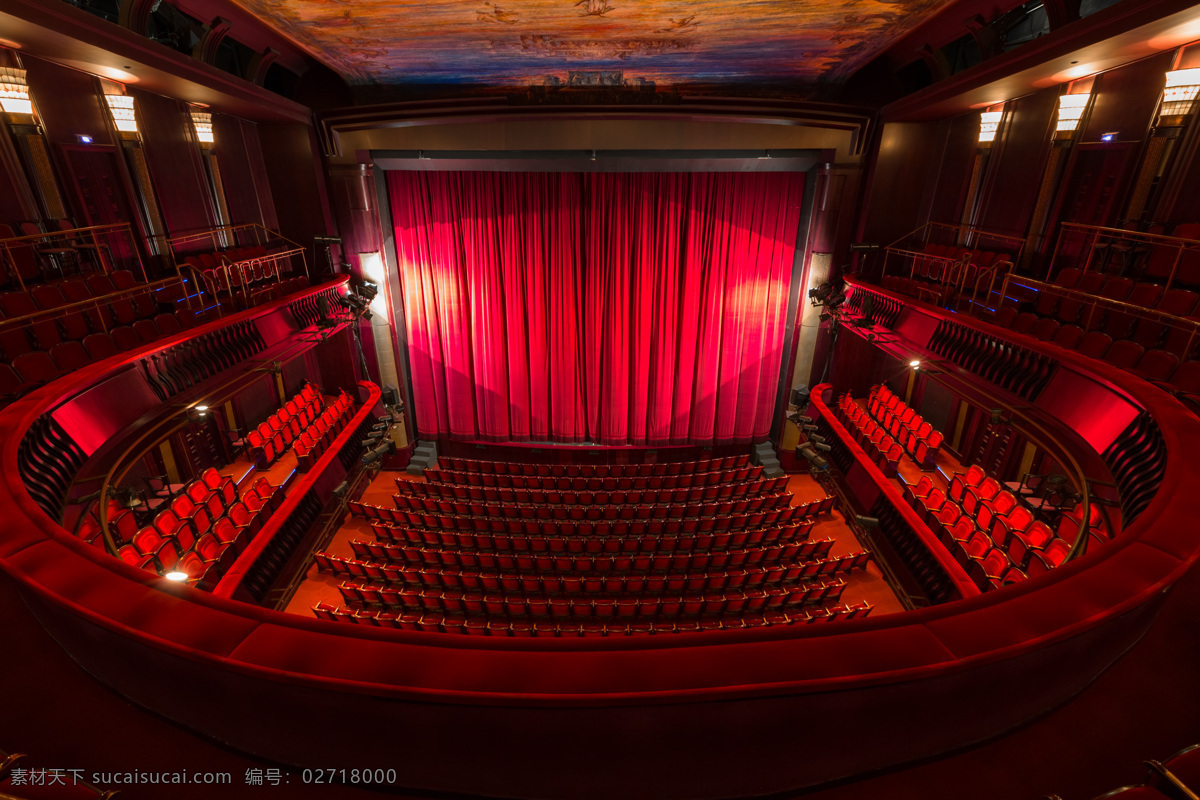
(391, 396)
(800, 396)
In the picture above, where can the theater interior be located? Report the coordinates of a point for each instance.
(587, 400)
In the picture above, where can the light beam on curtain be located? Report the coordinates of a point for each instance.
(643, 309)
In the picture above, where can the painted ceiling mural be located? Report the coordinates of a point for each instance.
(540, 42)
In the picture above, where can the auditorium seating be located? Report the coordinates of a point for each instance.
(485, 547)
(992, 534)
(304, 424)
(889, 428)
(247, 275)
(942, 273)
(199, 528)
(1151, 333)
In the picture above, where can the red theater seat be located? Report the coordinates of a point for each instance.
(70, 356)
(1068, 336)
(1094, 344)
(99, 346)
(36, 368)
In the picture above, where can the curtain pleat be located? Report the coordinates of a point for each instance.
(643, 309)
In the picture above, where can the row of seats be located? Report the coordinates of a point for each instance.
(905, 426)
(707, 602)
(201, 531)
(274, 436)
(578, 483)
(1152, 260)
(873, 439)
(111, 300)
(938, 268)
(594, 470)
(611, 511)
(630, 541)
(34, 369)
(1076, 306)
(474, 626)
(396, 578)
(312, 443)
(807, 550)
(487, 518)
(20, 780)
(1177, 778)
(995, 537)
(555, 497)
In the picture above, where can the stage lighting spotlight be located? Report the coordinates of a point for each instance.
(835, 302)
(816, 439)
(867, 522)
(808, 428)
(805, 420)
(368, 290)
(807, 452)
(824, 448)
(819, 463)
(176, 575)
(825, 316)
(821, 293)
(915, 363)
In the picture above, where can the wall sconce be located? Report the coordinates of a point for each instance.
(121, 108)
(1070, 111)
(14, 91)
(202, 122)
(1179, 96)
(989, 123)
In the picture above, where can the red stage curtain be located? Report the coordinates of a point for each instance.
(641, 309)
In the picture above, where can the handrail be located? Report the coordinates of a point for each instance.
(1171, 320)
(958, 576)
(69, 233)
(971, 230)
(232, 579)
(226, 229)
(1096, 231)
(70, 240)
(1035, 431)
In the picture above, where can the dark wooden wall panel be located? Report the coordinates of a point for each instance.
(1125, 99)
(962, 141)
(242, 193)
(1018, 159)
(903, 181)
(174, 159)
(68, 101)
(297, 184)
